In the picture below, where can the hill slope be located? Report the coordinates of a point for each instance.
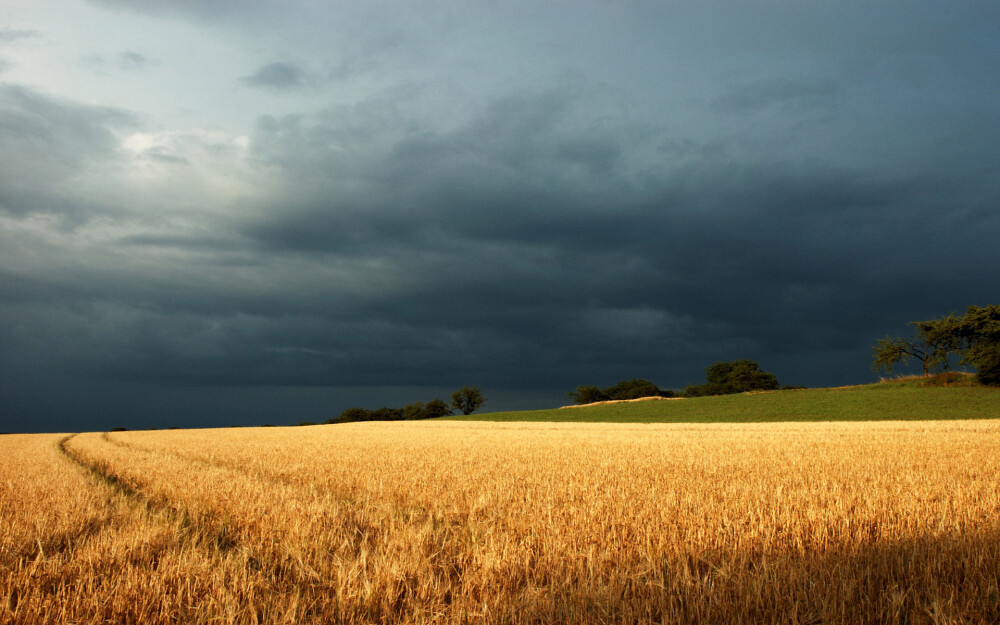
(876, 402)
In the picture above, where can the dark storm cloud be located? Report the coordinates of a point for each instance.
(785, 94)
(512, 172)
(500, 234)
(782, 184)
(405, 253)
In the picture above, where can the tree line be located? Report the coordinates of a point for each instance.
(626, 389)
(466, 400)
(974, 338)
(722, 378)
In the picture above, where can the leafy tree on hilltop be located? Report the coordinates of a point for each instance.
(436, 408)
(741, 376)
(635, 388)
(932, 343)
(737, 376)
(975, 337)
(587, 395)
(467, 399)
(979, 331)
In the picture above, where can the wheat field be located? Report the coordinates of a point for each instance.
(455, 522)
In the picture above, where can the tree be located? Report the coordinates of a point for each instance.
(740, 376)
(414, 410)
(979, 332)
(436, 408)
(635, 388)
(387, 414)
(587, 395)
(417, 410)
(353, 414)
(698, 390)
(467, 399)
(737, 376)
(933, 341)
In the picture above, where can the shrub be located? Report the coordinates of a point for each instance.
(948, 378)
(635, 388)
(387, 414)
(737, 376)
(986, 359)
(353, 414)
(467, 399)
(417, 410)
(587, 395)
(413, 411)
(435, 408)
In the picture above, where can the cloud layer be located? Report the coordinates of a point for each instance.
(381, 233)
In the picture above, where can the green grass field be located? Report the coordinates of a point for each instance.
(875, 402)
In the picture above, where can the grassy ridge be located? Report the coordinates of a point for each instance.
(876, 402)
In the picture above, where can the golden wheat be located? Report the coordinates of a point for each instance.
(525, 523)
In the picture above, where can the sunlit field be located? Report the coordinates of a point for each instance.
(452, 522)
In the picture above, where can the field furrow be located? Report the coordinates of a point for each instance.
(77, 548)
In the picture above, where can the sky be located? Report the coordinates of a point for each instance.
(237, 213)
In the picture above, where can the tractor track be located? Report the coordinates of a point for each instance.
(203, 536)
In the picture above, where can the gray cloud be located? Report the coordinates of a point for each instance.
(212, 10)
(501, 236)
(8, 35)
(47, 141)
(787, 94)
(132, 61)
(127, 61)
(278, 75)
(521, 220)
(407, 256)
